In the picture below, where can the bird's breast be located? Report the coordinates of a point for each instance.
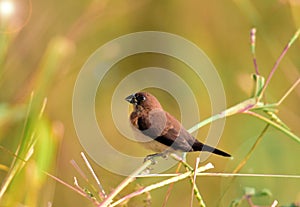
(155, 146)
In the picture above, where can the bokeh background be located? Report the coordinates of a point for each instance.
(44, 44)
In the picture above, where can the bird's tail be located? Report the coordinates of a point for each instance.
(202, 147)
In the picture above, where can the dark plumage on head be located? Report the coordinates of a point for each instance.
(144, 100)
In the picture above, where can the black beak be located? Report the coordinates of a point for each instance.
(130, 99)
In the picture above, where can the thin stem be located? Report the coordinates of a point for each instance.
(225, 175)
(195, 186)
(189, 168)
(252, 41)
(281, 128)
(249, 200)
(243, 162)
(238, 108)
(245, 107)
(72, 188)
(81, 189)
(288, 92)
(43, 108)
(274, 204)
(102, 192)
(178, 158)
(12, 153)
(124, 183)
(14, 167)
(247, 175)
(273, 71)
(246, 158)
(293, 39)
(296, 35)
(171, 187)
(282, 98)
(78, 169)
(161, 184)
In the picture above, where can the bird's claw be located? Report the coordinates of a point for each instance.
(165, 155)
(151, 158)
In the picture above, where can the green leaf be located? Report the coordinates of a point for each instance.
(259, 84)
(264, 192)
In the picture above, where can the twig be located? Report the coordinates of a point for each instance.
(78, 169)
(226, 175)
(189, 168)
(274, 204)
(178, 158)
(248, 175)
(76, 183)
(163, 183)
(124, 183)
(102, 192)
(79, 191)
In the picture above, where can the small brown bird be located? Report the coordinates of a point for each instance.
(160, 131)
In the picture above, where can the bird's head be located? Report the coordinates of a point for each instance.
(144, 100)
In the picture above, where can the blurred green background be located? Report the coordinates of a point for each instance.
(44, 44)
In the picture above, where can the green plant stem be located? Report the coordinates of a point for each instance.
(195, 187)
(245, 107)
(246, 158)
(22, 150)
(240, 107)
(281, 128)
(255, 103)
(244, 161)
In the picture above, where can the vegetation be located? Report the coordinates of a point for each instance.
(42, 48)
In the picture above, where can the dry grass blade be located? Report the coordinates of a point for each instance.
(162, 183)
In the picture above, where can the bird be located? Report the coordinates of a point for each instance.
(159, 131)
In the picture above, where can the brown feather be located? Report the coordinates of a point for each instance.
(159, 131)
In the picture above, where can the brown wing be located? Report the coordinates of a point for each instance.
(164, 128)
(182, 139)
(167, 130)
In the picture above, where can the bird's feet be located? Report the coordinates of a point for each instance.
(153, 161)
(152, 156)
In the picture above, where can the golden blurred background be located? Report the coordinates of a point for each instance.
(44, 45)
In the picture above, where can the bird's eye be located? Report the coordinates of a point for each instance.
(140, 98)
